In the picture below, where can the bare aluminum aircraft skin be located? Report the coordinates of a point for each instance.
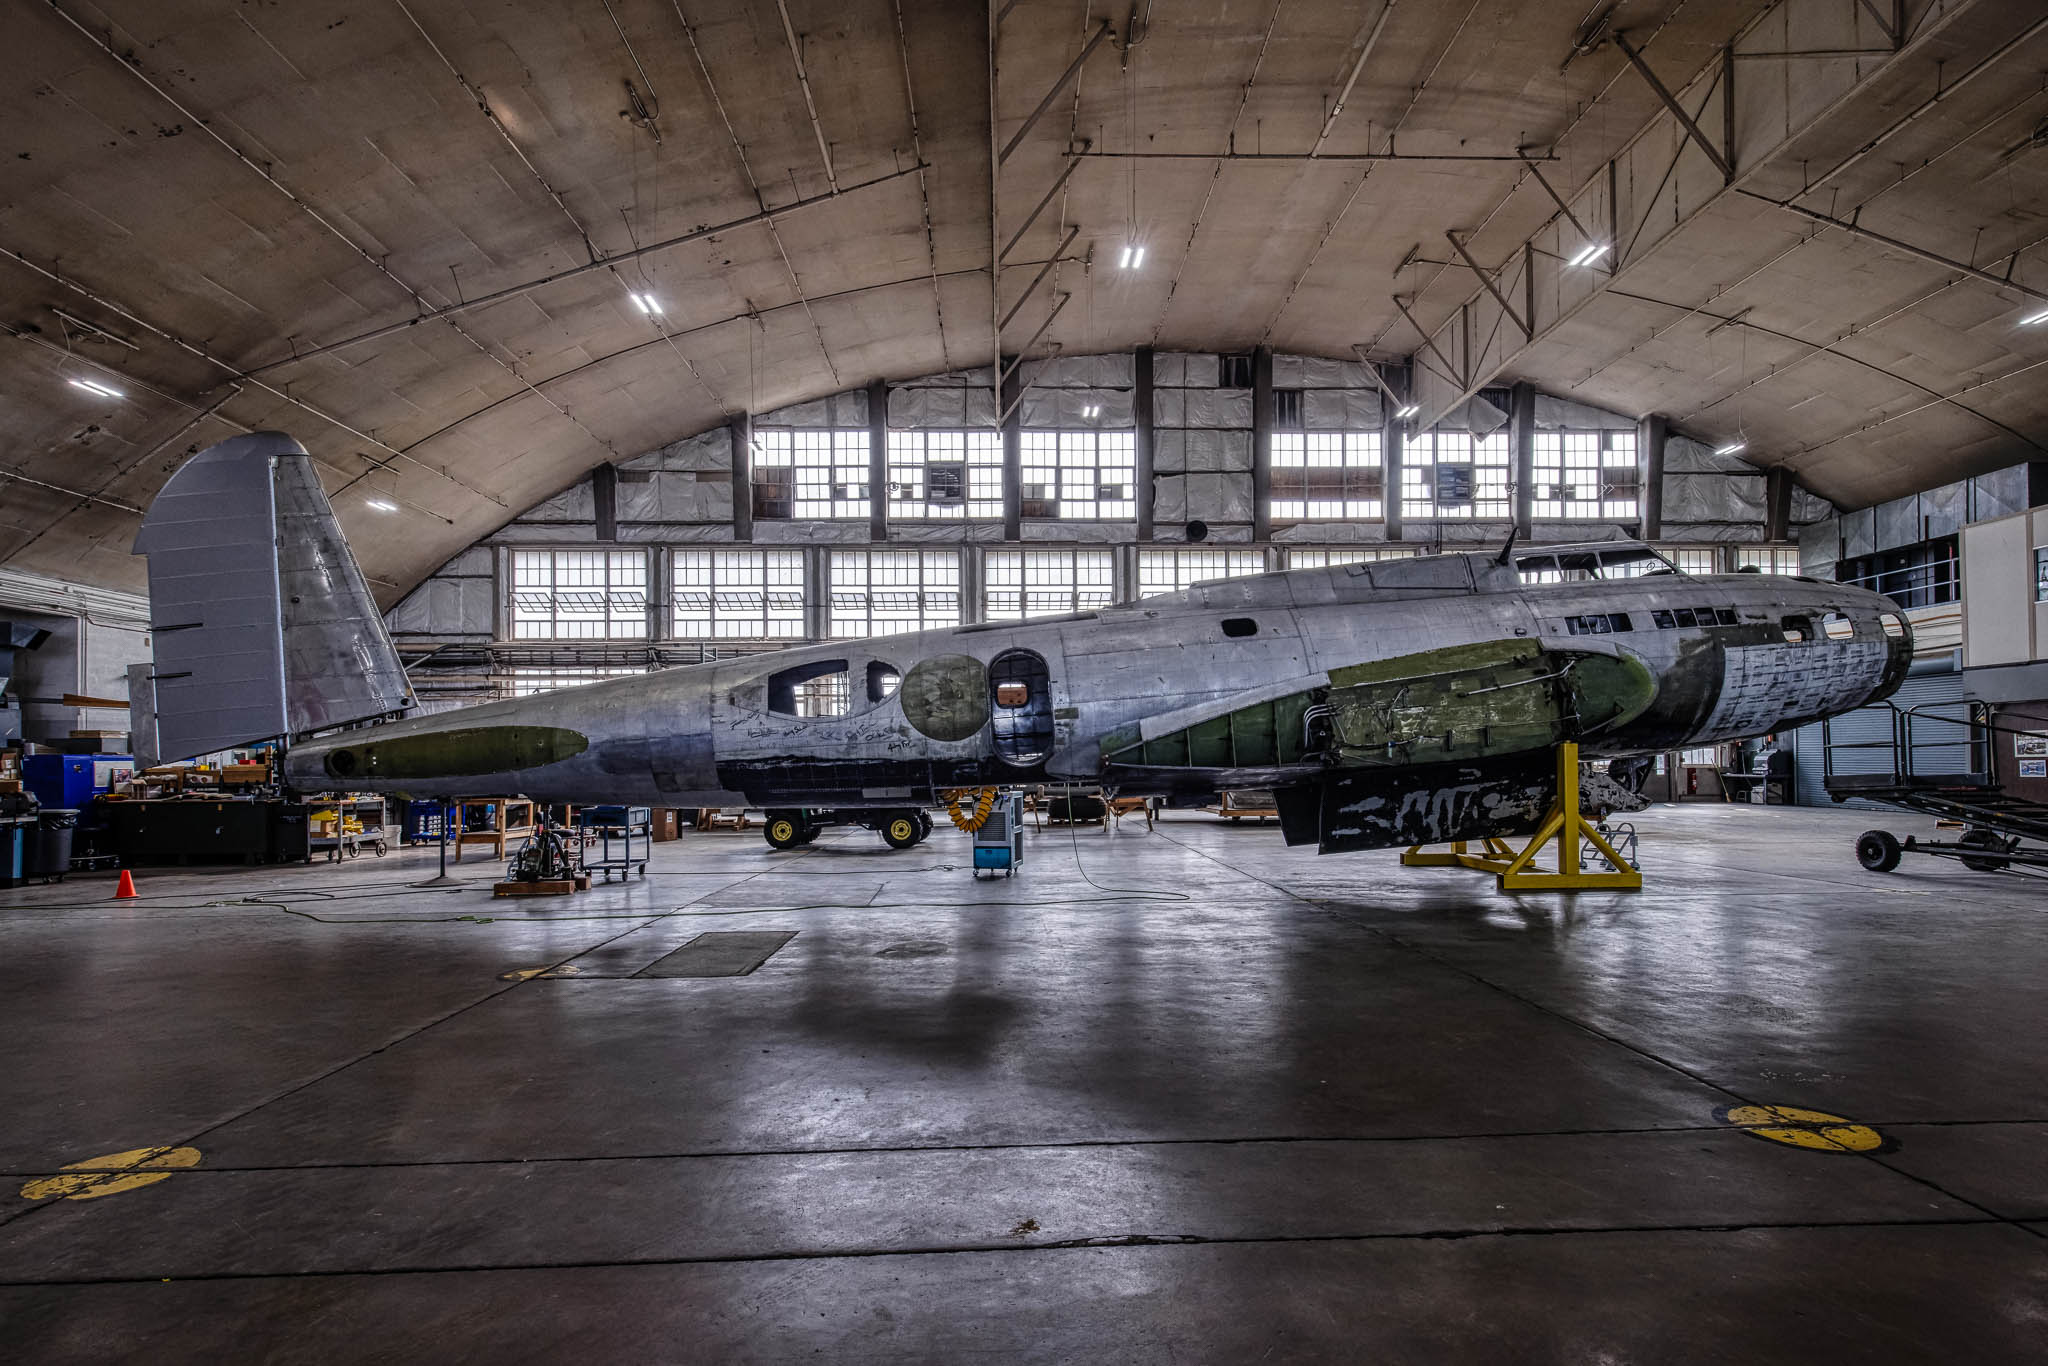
(1389, 702)
(1399, 701)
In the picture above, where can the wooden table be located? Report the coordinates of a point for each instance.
(502, 825)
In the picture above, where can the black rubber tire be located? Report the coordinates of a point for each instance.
(783, 830)
(924, 823)
(901, 830)
(1982, 839)
(811, 832)
(1877, 851)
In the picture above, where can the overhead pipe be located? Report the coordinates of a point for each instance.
(1066, 77)
(1058, 254)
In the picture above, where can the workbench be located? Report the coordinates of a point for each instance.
(189, 830)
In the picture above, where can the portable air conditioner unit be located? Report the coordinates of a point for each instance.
(999, 843)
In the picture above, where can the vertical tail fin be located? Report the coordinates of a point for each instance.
(261, 622)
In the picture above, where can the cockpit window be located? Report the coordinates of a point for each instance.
(1624, 561)
(1894, 626)
(883, 680)
(1835, 626)
(1798, 630)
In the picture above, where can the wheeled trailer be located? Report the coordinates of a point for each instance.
(1933, 762)
(899, 827)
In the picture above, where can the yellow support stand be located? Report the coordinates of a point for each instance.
(1518, 871)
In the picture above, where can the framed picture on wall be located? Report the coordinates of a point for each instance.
(2034, 768)
(2030, 747)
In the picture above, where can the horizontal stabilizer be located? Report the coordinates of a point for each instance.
(262, 625)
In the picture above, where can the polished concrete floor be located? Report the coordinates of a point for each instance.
(1193, 1097)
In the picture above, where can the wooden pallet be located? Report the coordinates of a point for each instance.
(549, 887)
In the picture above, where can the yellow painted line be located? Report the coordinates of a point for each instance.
(1814, 1130)
(528, 974)
(112, 1174)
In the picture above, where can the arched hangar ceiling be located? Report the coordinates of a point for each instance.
(409, 231)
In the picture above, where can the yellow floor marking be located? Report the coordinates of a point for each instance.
(112, 1174)
(1811, 1129)
(528, 974)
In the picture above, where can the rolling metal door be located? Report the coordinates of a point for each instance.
(1944, 689)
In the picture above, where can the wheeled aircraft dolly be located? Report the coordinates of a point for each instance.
(899, 827)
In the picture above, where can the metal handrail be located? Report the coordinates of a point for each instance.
(1905, 746)
(1924, 585)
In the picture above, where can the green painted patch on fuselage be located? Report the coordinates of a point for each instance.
(1478, 701)
(1461, 702)
(469, 752)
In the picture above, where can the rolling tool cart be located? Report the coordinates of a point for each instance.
(626, 824)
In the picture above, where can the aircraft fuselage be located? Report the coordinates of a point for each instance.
(1244, 682)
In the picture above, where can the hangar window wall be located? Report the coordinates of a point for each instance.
(936, 474)
(1319, 557)
(1455, 475)
(810, 473)
(526, 681)
(738, 594)
(1017, 584)
(1169, 571)
(1327, 476)
(1079, 476)
(1695, 559)
(882, 592)
(579, 594)
(1584, 476)
(1768, 559)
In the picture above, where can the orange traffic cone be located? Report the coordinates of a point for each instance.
(126, 891)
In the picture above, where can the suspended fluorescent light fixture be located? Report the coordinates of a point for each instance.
(93, 386)
(381, 504)
(1589, 253)
(1092, 410)
(2036, 319)
(1133, 257)
(1408, 410)
(1732, 448)
(647, 304)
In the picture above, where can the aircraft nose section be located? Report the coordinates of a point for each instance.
(1860, 606)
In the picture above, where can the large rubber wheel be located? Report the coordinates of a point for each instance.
(924, 824)
(810, 833)
(783, 830)
(901, 830)
(1982, 839)
(1877, 851)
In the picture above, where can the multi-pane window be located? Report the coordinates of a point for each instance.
(1325, 558)
(810, 472)
(1456, 475)
(1038, 583)
(1770, 559)
(527, 681)
(739, 594)
(882, 592)
(1587, 476)
(1696, 559)
(1327, 476)
(579, 594)
(1079, 476)
(945, 474)
(1170, 571)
